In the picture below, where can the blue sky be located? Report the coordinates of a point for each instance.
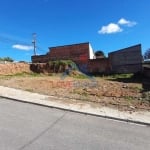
(108, 25)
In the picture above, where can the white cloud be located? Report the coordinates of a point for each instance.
(123, 21)
(23, 47)
(110, 28)
(116, 27)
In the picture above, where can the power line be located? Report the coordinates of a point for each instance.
(12, 41)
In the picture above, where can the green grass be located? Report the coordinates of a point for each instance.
(129, 98)
(119, 76)
(127, 78)
(137, 88)
(29, 90)
(22, 74)
(80, 76)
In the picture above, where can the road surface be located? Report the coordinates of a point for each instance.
(30, 127)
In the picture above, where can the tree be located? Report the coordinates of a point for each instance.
(6, 59)
(100, 54)
(147, 54)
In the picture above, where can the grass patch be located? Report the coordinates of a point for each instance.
(22, 74)
(119, 76)
(29, 90)
(126, 78)
(79, 76)
(129, 98)
(146, 96)
(137, 88)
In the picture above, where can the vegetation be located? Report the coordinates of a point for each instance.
(100, 54)
(62, 65)
(120, 76)
(146, 96)
(22, 74)
(6, 59)
(62, 62)
(147, 54)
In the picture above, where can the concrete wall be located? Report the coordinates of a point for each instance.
(127, 60)
(91, 52)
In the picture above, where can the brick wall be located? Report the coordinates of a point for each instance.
(128, 60)
(40, 58)
(99, 66)
(76, 52)
(73, 52)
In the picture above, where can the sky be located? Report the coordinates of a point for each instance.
(108, 25)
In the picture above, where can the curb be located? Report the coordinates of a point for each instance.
(85, 113)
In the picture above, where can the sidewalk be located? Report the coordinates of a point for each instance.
(140, 117)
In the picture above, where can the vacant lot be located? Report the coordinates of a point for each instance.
(121, 91)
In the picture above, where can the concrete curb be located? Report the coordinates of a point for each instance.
(85, 113)
(50, 101)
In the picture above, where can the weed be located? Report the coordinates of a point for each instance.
(129, 99)
(120, 76)
(29, 90)
(22, 74)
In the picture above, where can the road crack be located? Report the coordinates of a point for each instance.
(43, 132)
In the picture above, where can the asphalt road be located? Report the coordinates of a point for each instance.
(30, 127)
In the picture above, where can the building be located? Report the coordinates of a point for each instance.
(127, 60)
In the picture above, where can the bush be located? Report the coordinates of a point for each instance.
(146, 96)
(6, 59)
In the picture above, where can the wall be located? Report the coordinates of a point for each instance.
(40, 58)
(72, 52)
(76, 52)
(146, 71)
(91, 52)
(14, 68)
(101, 65)
(146, 79)
(127, 60)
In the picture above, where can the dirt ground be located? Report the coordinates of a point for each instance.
(104, 91)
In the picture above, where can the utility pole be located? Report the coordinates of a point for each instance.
(34, 42)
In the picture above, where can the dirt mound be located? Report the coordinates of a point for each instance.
(57, 66)
(14, 68)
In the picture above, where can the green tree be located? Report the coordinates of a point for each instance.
(6, 59)
(100, 54)
(147, 54)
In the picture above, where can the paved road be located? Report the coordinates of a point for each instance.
(30, 127)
